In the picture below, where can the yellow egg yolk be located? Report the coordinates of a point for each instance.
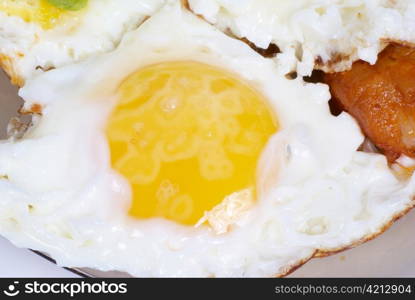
(187, 135)
(33, 11)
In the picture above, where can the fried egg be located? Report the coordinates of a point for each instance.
(184, 152)
(326, 34)
(39, 35)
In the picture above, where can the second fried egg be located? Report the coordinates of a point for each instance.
(39, 35)
(326, 34)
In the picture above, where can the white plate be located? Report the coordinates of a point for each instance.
(390, 255)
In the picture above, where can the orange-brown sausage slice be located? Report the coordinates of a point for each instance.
(382, 99)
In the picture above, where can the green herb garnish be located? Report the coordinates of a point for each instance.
(69, 4)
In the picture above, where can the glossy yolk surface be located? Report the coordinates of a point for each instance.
(34, 11)
(186, 135)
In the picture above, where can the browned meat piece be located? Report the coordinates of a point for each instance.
(382, 99)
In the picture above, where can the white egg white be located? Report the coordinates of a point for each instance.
(331, 33)
(60, 195)
(27, 49)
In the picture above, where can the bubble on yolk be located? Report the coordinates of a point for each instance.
(34, 11)
(187, 135)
